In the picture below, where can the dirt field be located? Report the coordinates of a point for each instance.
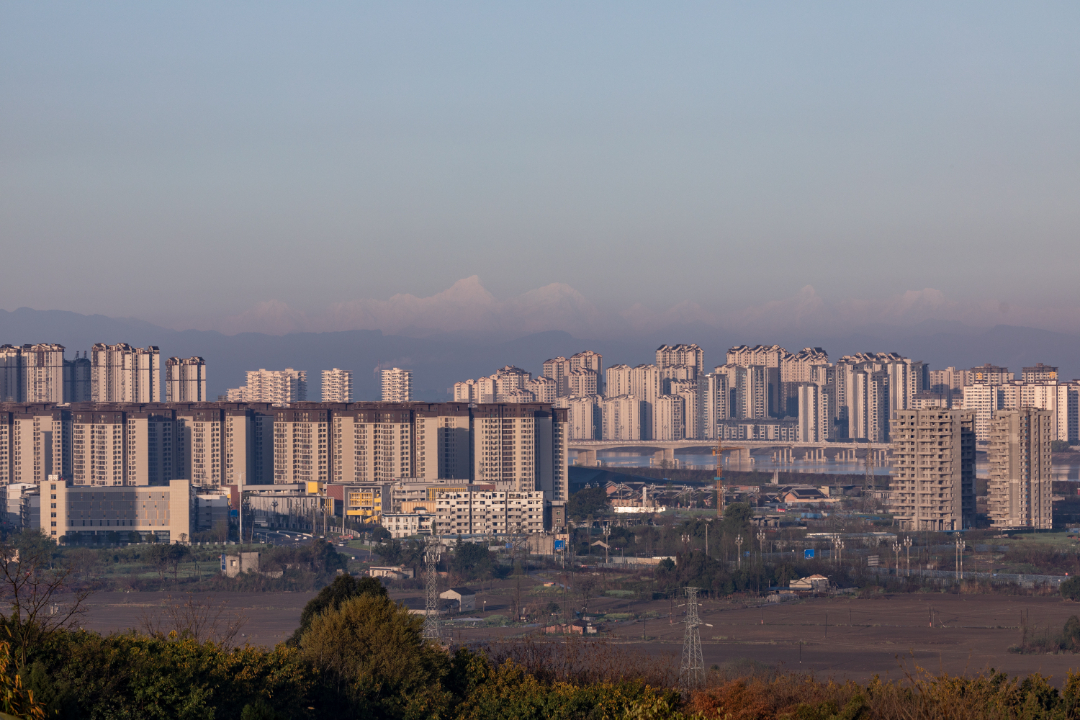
(864, 636)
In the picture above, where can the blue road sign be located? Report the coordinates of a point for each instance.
(560, 544)
(808, 554)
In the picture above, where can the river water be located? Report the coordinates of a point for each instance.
(764, 463)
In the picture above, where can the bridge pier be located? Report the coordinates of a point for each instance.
(586, 458)
(665, 457)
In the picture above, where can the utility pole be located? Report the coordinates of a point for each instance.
(692, 669)
(718, 451)
(868, 483)
(431, 612)
(738, 544)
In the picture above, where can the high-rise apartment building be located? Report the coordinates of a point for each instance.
(302, 445)
(621, 418)
(1039, 373)
(1020, 487)
(465, 392)
(583, 381)
(35, 442)
(589, 360)
(948, 380)
(543, 389)
(396, 385)
(715, 401)
(276, 387)
(645, 385)
(868, 406)
(521, 448)
(11, 382)
(43, 373)
(586, 422)
(982, 400)
(815, 415)
(125, 374)
(693, 414)
(690, 356)
(78, 379)
(756, 391)
(185, 380)
(337, 386)
(933, 462)
(799, 367)
(558, 369)
(40, 374)
(670, 414)
(989, 375)
(617, 380)
(764, 355)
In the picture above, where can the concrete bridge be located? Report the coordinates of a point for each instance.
(736, 452)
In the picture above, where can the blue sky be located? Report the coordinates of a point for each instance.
(181, 161)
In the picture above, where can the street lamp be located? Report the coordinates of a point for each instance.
(738, 544)
(959, 557)
(761, 546)
(907, 551)
(896, 550)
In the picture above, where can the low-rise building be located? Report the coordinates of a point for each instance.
(464, 597)
(489, 513)
(104, 514)
(392, 572)
(403, 525)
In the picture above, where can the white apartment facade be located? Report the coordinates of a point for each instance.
(396, 385)
(337, 386)
(125, 374)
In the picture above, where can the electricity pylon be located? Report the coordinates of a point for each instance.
(431, 613)
(692, 670)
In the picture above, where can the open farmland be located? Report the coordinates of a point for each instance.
(865, 636)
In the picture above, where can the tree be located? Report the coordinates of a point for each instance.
(32, 581)
(372, 650)
(473, 560)
(1070, 589)
(198, 619)
(585, 586)
(589, 501)
(176, 554)
(1059, 446)
(14, 699)
(158, 557)
(331, 597)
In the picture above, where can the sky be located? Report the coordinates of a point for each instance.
(282, 166)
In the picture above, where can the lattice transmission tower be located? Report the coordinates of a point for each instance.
(692, 670)
(431, 610)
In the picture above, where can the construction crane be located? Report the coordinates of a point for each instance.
(718, 451)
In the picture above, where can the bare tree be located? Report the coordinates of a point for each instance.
(585, 586)
(198, 619)
(42, 594)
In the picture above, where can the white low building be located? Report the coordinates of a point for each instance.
(403, 525)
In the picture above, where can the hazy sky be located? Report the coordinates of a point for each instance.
(178, 161)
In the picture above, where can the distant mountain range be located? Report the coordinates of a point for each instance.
(438, 361)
